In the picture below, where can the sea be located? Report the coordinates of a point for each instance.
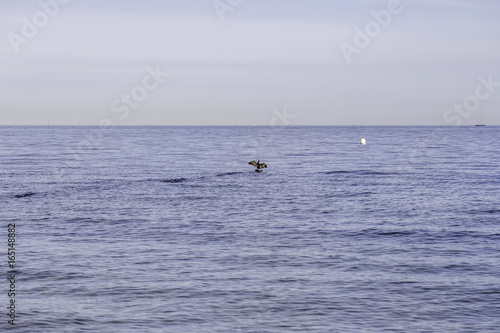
(169, 229)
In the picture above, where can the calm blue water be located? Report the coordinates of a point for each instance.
(168, 229)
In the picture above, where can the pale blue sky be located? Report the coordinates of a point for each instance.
(264, 55)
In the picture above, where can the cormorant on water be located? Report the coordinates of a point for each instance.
(258, 165)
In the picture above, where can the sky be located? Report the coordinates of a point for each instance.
(249, 62)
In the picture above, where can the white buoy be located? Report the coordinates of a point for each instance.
(363, 141)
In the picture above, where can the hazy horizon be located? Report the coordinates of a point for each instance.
(234, 62)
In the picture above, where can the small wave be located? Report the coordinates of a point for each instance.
(347, 195)
(175, 180)
(361, 172)
(381, 233)
(380, 173)
(395, 233)
(487, 211)
(228, 173)
(25, 195)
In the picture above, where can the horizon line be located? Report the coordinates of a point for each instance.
(220, 125)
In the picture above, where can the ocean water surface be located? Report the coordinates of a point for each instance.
(168, 229)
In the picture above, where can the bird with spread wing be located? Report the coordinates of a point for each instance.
(258, 165)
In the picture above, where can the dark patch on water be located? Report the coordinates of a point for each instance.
(25, 195)
(395, 233)
(488, 211)
(228, 173)
(377, 232)
(360, 172)
(174, 180)
(346, 194)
